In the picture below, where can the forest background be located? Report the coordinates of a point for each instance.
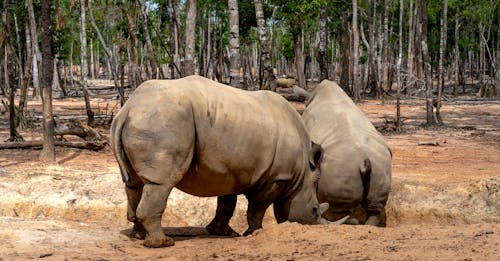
(382, 49)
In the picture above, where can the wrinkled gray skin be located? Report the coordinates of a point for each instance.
(356, 166)
(208, 139)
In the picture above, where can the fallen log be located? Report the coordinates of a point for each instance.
(38, 144)
(428, 143)
(78, 128)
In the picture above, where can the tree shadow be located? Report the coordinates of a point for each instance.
(72, 156)
(180, 233)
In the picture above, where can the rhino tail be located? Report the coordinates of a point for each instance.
(116, 145)
(365, 172)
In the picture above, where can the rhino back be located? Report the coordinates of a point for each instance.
(348, 138)
(225, 139)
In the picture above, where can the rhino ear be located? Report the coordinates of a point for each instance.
(316, 155)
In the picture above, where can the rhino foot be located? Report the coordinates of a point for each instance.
(221, 230)
(250, 231)
(138, 232)
(352, 221)
(373, 221)
(158, 240)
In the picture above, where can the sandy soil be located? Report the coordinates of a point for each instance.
(444, 205)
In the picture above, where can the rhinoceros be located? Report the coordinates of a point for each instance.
(208, 139)
(356, 167)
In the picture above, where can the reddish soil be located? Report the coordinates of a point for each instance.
(444, 205)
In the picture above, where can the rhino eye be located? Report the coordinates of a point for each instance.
(312, 166)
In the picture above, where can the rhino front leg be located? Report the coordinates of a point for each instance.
(376, 218)
(255, 214)
(220, 224)
(149, 213)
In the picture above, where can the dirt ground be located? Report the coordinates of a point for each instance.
(444, 204)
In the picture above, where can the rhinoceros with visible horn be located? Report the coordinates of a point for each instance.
(209, 139)
(356, 166)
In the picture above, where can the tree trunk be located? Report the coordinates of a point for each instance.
(48, 151)
(411, 37)
(344, 76)
(400, 58)
(373, 72)
(427, 64)
(323, 43)
(418, 69)
(132, 29)
(149, 47)
(21, 114)
(299, 59)
(366, 66)
(442, 49)
(355, 54)
(177, 35)
(84, 67)
(109, 54)
(234, 44)
(385, 49)
(268, 81)
(9, 61)
(188, 63)
(37, 57)
(497, 66)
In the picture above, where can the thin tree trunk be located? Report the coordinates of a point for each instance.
(188, 63)
(373, 73)
(344, 76)
(481, 62)
(19, 47)
(48, 151)
(202, 44)
(268, 81)
(299, 59)
(323, 42)
(21, 114)
(92, 72)
(427, 64)
(442, 49)
(400, 61)
(84, 66)
(109, 54)
(385, 49)
(411, 37)
(177, 35)
(149, 46)
(9, 61)
(366, 66)
(355, 56)
(60, 74)
(37, 56)
(234, 44)
(418, 42)
(208, 57)
(132, 29)
(497, 67)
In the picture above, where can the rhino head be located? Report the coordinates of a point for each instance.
(303, 206)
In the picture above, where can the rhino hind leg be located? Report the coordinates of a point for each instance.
(220, 224)
(149, 213)
(134, 193)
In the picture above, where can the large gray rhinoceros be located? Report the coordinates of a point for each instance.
(209, 139)
(356, 166)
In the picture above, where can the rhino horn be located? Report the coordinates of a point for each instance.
(338, 222)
